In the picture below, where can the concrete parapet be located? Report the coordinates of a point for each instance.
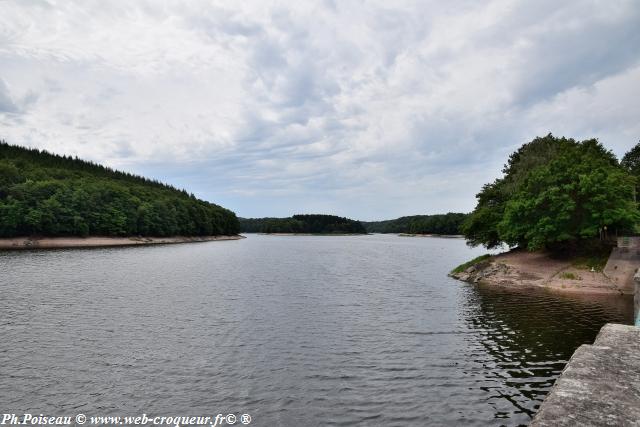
(636, 298)
(600, 386)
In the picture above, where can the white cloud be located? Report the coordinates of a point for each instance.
(6, 102)
(360, 109)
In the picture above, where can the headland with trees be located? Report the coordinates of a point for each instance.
(559, 206)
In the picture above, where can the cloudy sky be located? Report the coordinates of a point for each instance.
(371, 110)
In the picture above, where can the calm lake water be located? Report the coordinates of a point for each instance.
(295, 331)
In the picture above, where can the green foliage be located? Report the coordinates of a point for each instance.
(569, 275)
(555, 192)
(46, 194)
(327, 224)
(481, 226)
(475, 261)
(316, 224)
(419, 224)
(631, 161)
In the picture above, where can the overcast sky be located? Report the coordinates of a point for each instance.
(371, 110)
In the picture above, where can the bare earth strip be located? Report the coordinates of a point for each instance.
(443, 236)
(311, 234)
(522, 269)
(88, 242)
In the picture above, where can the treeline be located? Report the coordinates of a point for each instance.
(51, 195)
(557, 194)
(315, 224)
(448, 224)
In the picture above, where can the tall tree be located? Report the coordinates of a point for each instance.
(555, 192)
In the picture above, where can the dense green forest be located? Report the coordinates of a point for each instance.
(557, 193)
(326, 224)
(419, 224)
(51, 195)
(316, 224)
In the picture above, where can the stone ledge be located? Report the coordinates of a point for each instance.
(600, 386)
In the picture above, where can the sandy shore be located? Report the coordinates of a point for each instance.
(95, 241)
(443, 236)
(522, 269)
(311, 234)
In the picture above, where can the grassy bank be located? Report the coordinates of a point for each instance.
(476, 260)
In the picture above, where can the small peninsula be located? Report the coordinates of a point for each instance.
(315, 224)
(568, 211)
(521, 269)
(48, 200)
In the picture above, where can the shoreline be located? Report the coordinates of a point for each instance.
(442, 236)
(22, 243)
(526, 270)
(312, 234)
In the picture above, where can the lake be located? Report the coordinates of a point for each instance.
(295, 331)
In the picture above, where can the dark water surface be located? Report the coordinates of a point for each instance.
(296, 331)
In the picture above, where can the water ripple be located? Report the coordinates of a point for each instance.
(295, 331)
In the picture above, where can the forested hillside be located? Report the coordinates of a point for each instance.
(51, 195)
(419, 224)
(315, 224)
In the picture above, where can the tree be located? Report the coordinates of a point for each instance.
(419, 224)
(481, 226)
(41, 193)
(319, 224)
(555, 192)
(631, 161)
(9, 175)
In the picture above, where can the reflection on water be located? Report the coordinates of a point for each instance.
(524, 339)
(313, 331)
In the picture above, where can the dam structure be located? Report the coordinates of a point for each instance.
(600, 386)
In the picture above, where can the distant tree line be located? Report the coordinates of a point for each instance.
(51, 195)
(315, 224)
(557, 194)
(446, 224)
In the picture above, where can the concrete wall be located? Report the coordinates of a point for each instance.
(636, 298)
(630, 242)
(600, 386)
(621, 267)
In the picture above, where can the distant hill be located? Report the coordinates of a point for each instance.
(419, 224)
(51, 195)
(314, 224)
